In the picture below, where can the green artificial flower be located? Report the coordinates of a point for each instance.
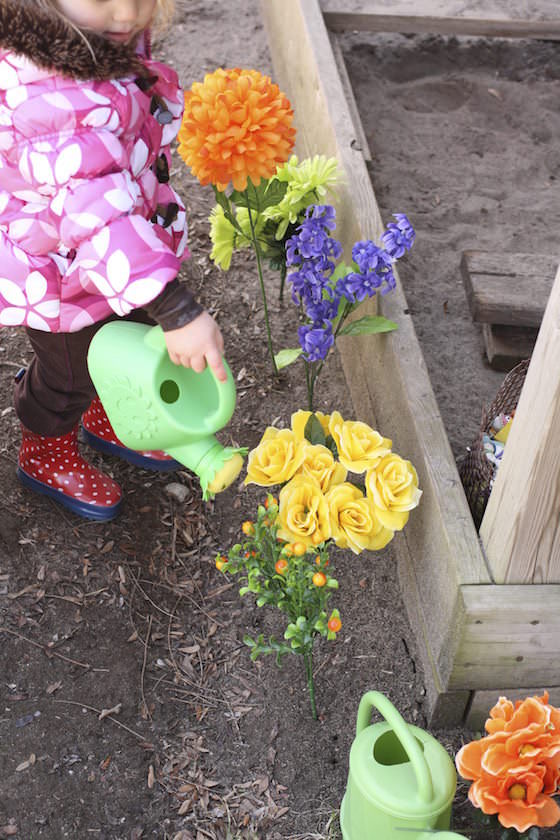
(226, 239)
(308, 182)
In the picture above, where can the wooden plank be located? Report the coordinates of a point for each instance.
(511, 636)
(508, 288)
(520, 530)
(387, 375)
(446, 17)
(483, 701)
(507, 346)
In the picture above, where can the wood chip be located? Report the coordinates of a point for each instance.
(25, 765)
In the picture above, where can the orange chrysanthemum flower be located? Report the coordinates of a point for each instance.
(237, 125)
(515, 769)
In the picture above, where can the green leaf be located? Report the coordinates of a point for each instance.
(287, 356)
(369, 325)
(224, 202)
(267, 194)
(314, 432)
(330, 443)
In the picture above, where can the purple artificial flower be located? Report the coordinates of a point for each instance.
(309, 282)
(315, 341)
(312, 241)
(398, 237)
(324, 310)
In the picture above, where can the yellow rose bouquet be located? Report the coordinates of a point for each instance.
(284, 559)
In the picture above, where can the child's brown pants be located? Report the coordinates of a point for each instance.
(56, 388)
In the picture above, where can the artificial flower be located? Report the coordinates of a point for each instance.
(392, 485)
(308, 182)
(303, 513)
(300, 418)
(237, 126)
(359, 446)
(515, 768)
(276, 459)
(319, 465)
(226, 238)
(353, 520)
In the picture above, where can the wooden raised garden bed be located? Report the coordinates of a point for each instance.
(485, 612)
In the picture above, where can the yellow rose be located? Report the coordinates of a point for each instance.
(300, 418)
(303, 513)
(359, 446)
(353, 520)
(392, 487)
(275, 460)
(319, 465)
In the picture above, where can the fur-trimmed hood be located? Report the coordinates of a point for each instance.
(52, 44)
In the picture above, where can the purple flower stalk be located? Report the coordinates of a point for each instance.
(316, 341)
(399, 237)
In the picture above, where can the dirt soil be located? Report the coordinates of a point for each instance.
(129, 707)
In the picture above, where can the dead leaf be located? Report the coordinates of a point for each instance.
(495, 93)
(54, 687)
(151, 776)
(107, 547)
(41, 573)
(185, 807)
(105, 763)
(25, 765)
(8, 830)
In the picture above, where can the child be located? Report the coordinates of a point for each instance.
(90, 229)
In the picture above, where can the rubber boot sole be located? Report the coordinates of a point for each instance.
(130, 455)
(83, 509)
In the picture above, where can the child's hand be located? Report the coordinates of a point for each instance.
(196, 344)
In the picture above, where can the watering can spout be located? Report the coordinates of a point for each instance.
(154, 404)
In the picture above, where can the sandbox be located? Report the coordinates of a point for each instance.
(484, 611)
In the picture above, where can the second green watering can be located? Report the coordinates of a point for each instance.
(154, 404)
(401, 781)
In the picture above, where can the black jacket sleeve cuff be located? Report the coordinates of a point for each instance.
(174, 307)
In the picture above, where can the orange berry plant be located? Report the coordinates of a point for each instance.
(515, 768)
(281, 575)
(284, 559)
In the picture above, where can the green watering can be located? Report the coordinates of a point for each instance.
(401, 781)
(154, 404)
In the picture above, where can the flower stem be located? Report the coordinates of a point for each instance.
(310, 383)
(257, 250)
(308, 657)
(283, 273)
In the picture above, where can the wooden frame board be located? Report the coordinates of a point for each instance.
(442, 568)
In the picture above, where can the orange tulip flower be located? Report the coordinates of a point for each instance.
(237, 125)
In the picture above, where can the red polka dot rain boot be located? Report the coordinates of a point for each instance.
(53, 466)
(99, 434)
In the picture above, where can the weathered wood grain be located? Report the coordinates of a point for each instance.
(521, 527)
(508, 289)
(540, 19)
(483, 701)
(507, 346)
(511, 636)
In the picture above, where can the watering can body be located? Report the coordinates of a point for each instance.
(155, 404)
(401, 781)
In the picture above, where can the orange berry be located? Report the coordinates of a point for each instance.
(299, 549)
(316, 539)
(281, 566)
(319, 579)
(287, 550)
(270, 500)
(248, 528)
(221, 562)
(334, 624)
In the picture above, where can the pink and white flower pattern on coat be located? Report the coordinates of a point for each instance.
(78, 194)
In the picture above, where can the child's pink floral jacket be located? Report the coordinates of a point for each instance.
(89, 225)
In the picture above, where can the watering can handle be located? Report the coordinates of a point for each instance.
(155, 339)
(376, 700)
